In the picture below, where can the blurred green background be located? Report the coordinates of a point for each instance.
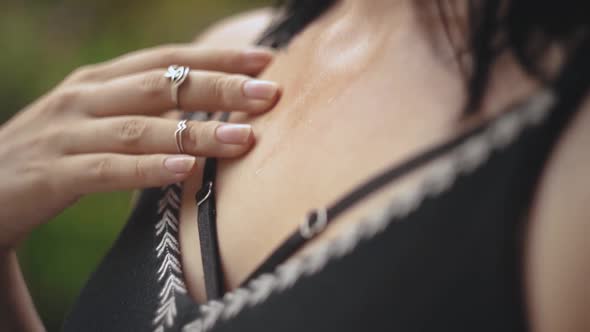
(42, 41)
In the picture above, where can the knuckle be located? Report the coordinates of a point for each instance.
(191, 139)
(220, 87)
(41, 140)
(140, 169)
(153, 84)
(54, 138)
(170, 53)
(84, 73)
(64, 99)
(131, 131)
(205, 135)
(101, 169)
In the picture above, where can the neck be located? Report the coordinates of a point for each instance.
(441, 23)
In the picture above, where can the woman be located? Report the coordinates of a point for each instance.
(433, 206)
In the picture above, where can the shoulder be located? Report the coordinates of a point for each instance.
(558, 268)
(239, 30)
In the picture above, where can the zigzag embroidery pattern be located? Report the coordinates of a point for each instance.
(168, 251)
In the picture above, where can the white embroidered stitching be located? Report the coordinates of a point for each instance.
(464, 160)
(170, 270)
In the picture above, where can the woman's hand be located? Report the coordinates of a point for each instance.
(100, 130)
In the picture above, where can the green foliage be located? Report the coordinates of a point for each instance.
(44, 40)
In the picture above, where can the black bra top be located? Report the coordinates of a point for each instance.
(444, 256)
(278, 35)
(317, 220)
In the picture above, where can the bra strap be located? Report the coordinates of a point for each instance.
(319, 219)
(571, 86)
(206, 221)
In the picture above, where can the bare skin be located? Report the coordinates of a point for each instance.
(360, 95)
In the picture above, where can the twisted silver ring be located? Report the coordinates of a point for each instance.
(180, 128)
(177, 75)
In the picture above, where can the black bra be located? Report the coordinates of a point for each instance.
(318, 219)
(277, 35)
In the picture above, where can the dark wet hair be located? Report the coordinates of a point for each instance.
(527, 28)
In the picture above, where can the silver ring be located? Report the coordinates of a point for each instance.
(177, 75)
(180, 128)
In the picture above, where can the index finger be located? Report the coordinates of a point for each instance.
(249, 61)
(150, 93)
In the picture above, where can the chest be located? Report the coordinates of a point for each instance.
(346, 112)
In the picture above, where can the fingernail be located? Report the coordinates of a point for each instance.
(233, 133)
(258, 89)
(179, 164)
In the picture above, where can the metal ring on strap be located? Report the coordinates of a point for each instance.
(313, 226)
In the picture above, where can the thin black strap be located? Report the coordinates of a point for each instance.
(208, 234)
(571, 86)
(206, 221)
(319, 219)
